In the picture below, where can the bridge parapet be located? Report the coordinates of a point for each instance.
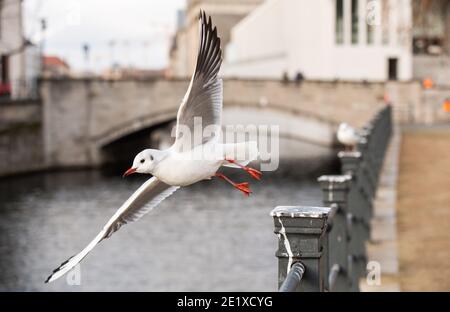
(83, 115)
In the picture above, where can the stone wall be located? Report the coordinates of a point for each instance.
(82, 115)
(436, 67)
(21, 144)
(433, 112)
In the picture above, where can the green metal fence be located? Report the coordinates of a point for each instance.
(324, 248)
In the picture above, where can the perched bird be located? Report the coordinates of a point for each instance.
(347, 136)
(185, 162)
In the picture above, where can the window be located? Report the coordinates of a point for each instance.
(355, 21)
(339, 21)
(392, 68)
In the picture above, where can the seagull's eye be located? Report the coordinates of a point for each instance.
(142, 161)
(151, 157)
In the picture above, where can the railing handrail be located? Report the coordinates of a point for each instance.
(293, 278)
(332, 276)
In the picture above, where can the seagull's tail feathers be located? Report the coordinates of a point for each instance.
(242, 153)
(70, 263)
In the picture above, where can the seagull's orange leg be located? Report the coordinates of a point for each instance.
(256, 174)
(243, 187)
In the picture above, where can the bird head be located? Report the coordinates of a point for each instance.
(343, 126)
(145, 162)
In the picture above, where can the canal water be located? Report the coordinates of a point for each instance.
(206, 237)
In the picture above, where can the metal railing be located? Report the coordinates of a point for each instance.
(324, 248)
(293, 278)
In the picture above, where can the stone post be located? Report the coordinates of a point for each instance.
(359, 208)
(302, 238)
(335, 190)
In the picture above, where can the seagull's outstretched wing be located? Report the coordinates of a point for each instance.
(204, 95)
(148, 196)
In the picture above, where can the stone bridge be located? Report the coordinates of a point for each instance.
(82, 117)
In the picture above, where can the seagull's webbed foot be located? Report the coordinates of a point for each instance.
(256, 174)
(243, 187)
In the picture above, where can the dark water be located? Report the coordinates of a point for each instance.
(206, 237)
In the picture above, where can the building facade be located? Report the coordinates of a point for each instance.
(20, 62)
(324, 40)
(225, 13)
(431, 41)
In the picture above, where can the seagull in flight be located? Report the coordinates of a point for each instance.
(347, 135)
(185, 162)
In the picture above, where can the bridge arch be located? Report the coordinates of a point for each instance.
(292, 125)
(127, 138)
(131, 126)
(83, 116)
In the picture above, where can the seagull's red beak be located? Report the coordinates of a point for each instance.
(128, 172)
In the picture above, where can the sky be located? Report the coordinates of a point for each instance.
(131, 33)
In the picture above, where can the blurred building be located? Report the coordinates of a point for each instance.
(117, 72)
(54, 66)
(225, 13)
(19, 59)
(324, 40)
(431, 40)
(431, 32)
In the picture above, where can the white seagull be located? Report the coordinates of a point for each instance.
(180, 165)
(347, 135)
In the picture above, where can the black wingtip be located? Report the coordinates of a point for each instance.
(205, 19)
(51, 275)
(209, 56)
(57, 269)
(202, 15)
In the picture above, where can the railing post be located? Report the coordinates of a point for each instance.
(372, 136)
(359, 208)
(366, 165)
(335, 192)
(377, 134)
(302, 238)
